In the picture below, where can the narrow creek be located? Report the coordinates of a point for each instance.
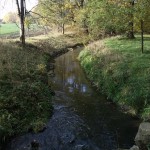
(83, 119)
(109, 128)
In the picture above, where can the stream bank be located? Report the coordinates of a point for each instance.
(25, 69)
(82, 118)
(117, 69)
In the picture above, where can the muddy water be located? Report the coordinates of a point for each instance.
(82, 118)
(109, 127)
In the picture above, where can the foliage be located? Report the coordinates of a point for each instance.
(111, 17)
(119, 70)
(11, 17)
(28, 22)
(142, 10)
(55, 12)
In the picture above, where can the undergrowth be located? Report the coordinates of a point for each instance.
(25, 96)
(118, 69)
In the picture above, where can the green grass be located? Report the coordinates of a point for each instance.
(8, 28)
(119, 69)
(25, 96)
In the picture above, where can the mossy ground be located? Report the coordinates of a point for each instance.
(117, 67)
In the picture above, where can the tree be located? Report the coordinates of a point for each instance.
(10, 17)
(21, 13)
(102, 17)
(130, 33)
(56, 12)
(142, 16)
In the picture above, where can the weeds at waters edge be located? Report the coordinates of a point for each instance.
(119, 70)
(25, 96)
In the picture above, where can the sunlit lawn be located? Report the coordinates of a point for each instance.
(8, 28)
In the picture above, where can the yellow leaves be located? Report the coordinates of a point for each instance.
(41, 68)
(68, 6)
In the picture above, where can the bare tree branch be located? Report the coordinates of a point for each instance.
(17, 3)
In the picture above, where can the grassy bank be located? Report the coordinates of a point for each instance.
(117, 68)
(25, 96)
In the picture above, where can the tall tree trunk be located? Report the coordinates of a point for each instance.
(22, 19)
(142, 37)
(81, 3)
(130, 34)
(131, 24)
(21, 12)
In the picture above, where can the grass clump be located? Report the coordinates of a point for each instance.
(25, 96)
(118, 68)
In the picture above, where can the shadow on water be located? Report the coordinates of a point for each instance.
(109, 128)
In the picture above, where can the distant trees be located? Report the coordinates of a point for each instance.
(109, 17)
(114, 16)
(11, 17)
(56, 12)
(97, 17)
(142, 17)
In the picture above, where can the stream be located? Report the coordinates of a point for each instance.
(83, 119)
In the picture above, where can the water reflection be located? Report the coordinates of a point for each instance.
(69, 76)
(109, 127)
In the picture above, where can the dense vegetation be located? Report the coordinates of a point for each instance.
(25, 96)
(99, 17)
(118, 69)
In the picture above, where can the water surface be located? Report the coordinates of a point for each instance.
(109, 127)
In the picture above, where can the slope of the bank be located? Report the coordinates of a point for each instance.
(25, 96)
(25, 90)
(118, 68)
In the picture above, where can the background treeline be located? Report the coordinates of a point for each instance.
(97, 17)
